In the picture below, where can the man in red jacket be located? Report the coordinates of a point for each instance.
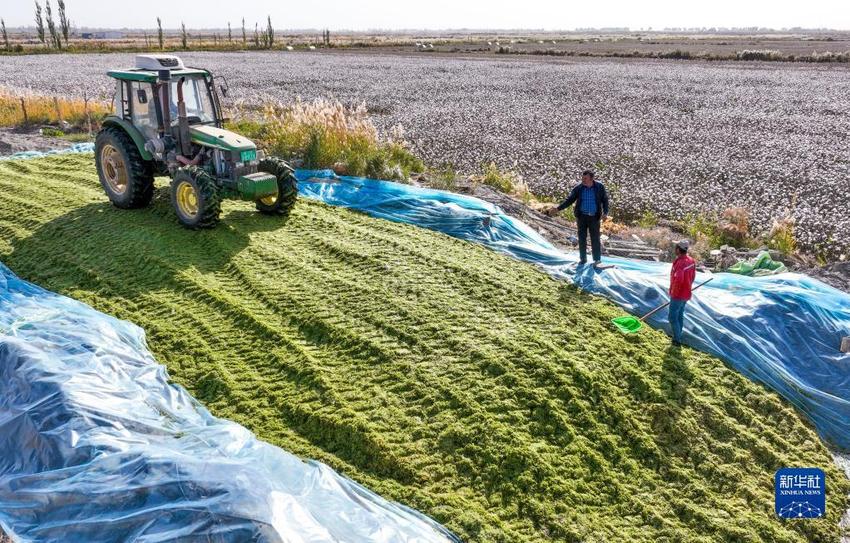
(682, 276)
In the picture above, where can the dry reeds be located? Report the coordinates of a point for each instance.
(29, 108)
(325, 133)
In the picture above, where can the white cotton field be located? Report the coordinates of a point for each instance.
(670, 136)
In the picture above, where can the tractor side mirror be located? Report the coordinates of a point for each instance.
(223, 86)
(142, 96)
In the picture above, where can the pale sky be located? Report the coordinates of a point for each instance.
(445, 14)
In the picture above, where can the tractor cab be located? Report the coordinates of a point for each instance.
(150, 95)
(138, 102)
(167, 121)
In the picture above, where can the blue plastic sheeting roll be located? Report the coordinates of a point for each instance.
(97, 446)
(784, 330)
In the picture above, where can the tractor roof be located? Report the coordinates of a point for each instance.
(150, 76)
(148, 67)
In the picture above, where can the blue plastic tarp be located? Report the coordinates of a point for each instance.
(76, 148)
(784, 331)
(97, 446)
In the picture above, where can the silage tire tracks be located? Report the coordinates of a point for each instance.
(216, 314)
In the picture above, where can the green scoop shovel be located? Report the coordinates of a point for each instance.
(630, 325)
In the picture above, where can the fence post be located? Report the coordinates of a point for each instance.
(24, 108)
(88, 114)
(58, 111)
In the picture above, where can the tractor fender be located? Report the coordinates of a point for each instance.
(131, 131)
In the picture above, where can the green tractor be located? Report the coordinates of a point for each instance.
(167, 121)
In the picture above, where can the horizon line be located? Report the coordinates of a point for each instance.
(613, 29)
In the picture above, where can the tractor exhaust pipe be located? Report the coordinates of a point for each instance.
(182, 119)
(164, 81)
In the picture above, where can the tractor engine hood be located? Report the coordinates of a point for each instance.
(211, 136)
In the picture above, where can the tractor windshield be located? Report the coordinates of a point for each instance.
(199, 106)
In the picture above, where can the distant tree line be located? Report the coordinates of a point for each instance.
(55, 31)
(263, 39)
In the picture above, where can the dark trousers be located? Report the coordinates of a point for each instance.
(589, 223)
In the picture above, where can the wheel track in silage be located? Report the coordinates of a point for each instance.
(458, 381)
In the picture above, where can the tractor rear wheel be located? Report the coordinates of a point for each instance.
(126, 177)
(287, 188)
(195, 198)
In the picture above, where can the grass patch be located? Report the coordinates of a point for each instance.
(78, 137)
(760, 54)
(326, 134)
(52, 132)
(731, 227)
(444, 177)
(781, 236)
(458, 381)
(648, 219)
(492, 176)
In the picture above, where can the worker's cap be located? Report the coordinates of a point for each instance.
(683, 244)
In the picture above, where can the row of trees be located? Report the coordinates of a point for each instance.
(53, 36)
(262, 38)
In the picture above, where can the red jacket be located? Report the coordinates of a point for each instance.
(682, 277)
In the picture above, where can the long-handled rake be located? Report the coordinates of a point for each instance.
(629, 324)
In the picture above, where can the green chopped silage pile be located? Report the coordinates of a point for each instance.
(455, 380)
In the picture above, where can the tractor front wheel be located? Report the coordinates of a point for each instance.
(287, 188)
(195, 198)
(126, 177)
